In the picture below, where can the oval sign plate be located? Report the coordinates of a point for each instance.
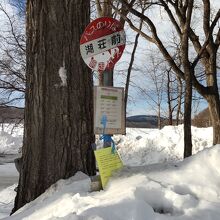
(102, 43)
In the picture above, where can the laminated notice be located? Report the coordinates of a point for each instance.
(108, 162)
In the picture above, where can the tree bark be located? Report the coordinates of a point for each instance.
(214, 109)
(158, 117)
(187, 114)
(180, 94)
(59, 110)
(188, 72)
(170, 112)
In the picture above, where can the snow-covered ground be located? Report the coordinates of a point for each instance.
(10, 138)
(155, 183)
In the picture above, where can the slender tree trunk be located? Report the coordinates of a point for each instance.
(159, 118)
(188, 78)
(187, 115)
(170, 112)
(180, 94)
(130, 66)
(59, 110)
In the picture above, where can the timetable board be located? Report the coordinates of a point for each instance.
(109, 104)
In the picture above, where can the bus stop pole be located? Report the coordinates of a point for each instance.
(106, 79)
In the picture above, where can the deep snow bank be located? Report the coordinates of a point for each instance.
(186, 190)
(137, 147)
(148, 146)
(10, 138)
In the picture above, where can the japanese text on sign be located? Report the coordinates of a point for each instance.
(105, 24)
(102, 44)
(107, 163)
(109, 102)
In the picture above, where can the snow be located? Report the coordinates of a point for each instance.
(155, 183)
(7, 200)
(148, 146)
(63, 76)
(10, 138)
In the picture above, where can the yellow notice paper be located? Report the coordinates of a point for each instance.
(107, 163)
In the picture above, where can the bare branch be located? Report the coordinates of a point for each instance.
(206, 17)
(217, 40)
(12, 28)
(99, 7)
(170, 14)
(155, 39)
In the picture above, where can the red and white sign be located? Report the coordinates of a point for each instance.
(102, 43)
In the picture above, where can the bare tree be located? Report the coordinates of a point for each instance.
(179, 13)
(158, 80)
(174, 96)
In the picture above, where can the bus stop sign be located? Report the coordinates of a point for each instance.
(102, 43)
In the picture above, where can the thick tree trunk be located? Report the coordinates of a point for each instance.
(213, 97)
(59, 110)
(214, 109)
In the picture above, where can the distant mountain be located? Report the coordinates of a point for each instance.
(143, 121)
(202, 119)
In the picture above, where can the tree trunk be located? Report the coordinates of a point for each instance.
(213, 97)
(188, 72)
(59, 110)
(170, 112)
(159, 118)
(187, 115)
(214, 109)
(180, 94)
(104, 9)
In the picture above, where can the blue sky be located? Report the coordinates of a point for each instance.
(141, 106)
(137, 104)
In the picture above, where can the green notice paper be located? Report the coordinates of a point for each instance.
(107, 163)
(109, 97)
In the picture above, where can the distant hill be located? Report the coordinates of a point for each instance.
(202, 119)
(143, 121)
(11, 114)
